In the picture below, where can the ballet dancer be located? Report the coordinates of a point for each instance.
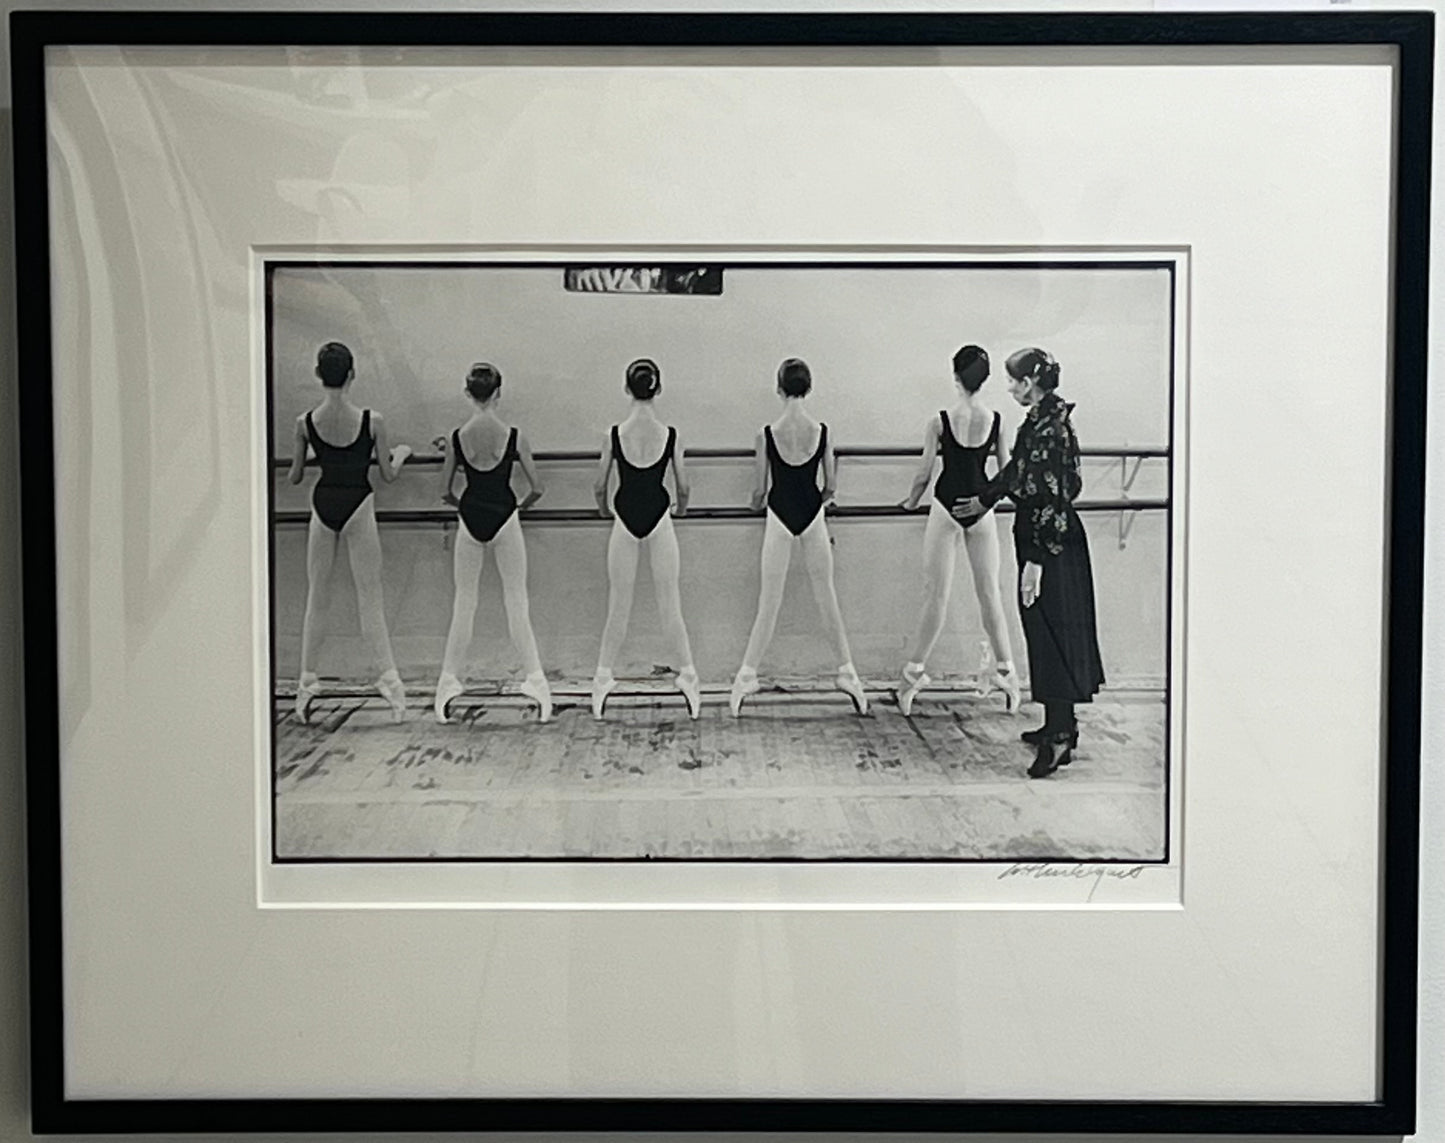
(795, 518)
(488, 512)
(963, 475)
(641, 520)
(1056, 579)
(342, 509)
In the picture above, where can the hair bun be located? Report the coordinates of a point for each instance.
(644, 378)
(795, 379)
(483, 381)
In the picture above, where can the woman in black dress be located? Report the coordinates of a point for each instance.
(1056, 579)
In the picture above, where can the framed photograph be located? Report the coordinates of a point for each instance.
(662, 572)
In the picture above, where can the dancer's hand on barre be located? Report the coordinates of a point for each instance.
(1031, 582)
(399, 455)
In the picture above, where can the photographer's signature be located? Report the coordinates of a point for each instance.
(1095, 874)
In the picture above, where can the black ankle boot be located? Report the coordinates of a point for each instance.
(1035, 736)
(1054, 750)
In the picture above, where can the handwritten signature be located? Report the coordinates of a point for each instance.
(1043, 870)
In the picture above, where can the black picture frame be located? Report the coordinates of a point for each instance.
(1410, 34)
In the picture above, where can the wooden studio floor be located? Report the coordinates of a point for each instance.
(798, 776)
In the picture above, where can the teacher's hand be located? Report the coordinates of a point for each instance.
(1031, 582)
(969, 509)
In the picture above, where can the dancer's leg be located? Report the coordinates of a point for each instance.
(321, 544)
(510, 550)
(777, 553)
(363, 546)
(940, 551)
(981, 543)
(467, 561)
(818, 558)
(663, 556)
(621, 578)
(666, 564)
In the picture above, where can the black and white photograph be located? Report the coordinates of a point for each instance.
(817, 520)
(776, 561)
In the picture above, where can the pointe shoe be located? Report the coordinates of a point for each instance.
(914, 680)
(998, 677)
(1053, 751)
(849, 683)
(746, 683)
(601, 688)
(307, 691)
(394, 691)
(691, 688)
(449, 687)
(535, 688)
(1006, 679)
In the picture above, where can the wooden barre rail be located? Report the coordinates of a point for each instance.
(1121, 452)
(591, 515)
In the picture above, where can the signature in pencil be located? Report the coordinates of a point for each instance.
(1072, 871)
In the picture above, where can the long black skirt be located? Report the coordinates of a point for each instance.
(1060, 628)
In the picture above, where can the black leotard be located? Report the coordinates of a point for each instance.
(963, 466)
(641, 501)
(344, 484)
(488, 501)
(793, 493)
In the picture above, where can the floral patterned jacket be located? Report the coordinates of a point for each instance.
(1043, 478)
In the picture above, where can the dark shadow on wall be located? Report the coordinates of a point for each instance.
(14, 981)
(72, 585)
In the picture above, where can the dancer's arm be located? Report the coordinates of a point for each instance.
(449, 470)
(529, 470)
(604, 477)
(298, 452)
(1001, 452)
(679, 475)
(830, 473)
(925, 466)
(760, 472)
(389, 461)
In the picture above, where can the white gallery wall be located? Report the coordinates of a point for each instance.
(13, 983)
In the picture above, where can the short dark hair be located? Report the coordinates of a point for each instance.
(795, 379)
(970, 366)
(644, 379)
(483, 381)
(334, 364)
(1036, 365)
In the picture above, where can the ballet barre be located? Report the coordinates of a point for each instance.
(446, 516)
(902, 452)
